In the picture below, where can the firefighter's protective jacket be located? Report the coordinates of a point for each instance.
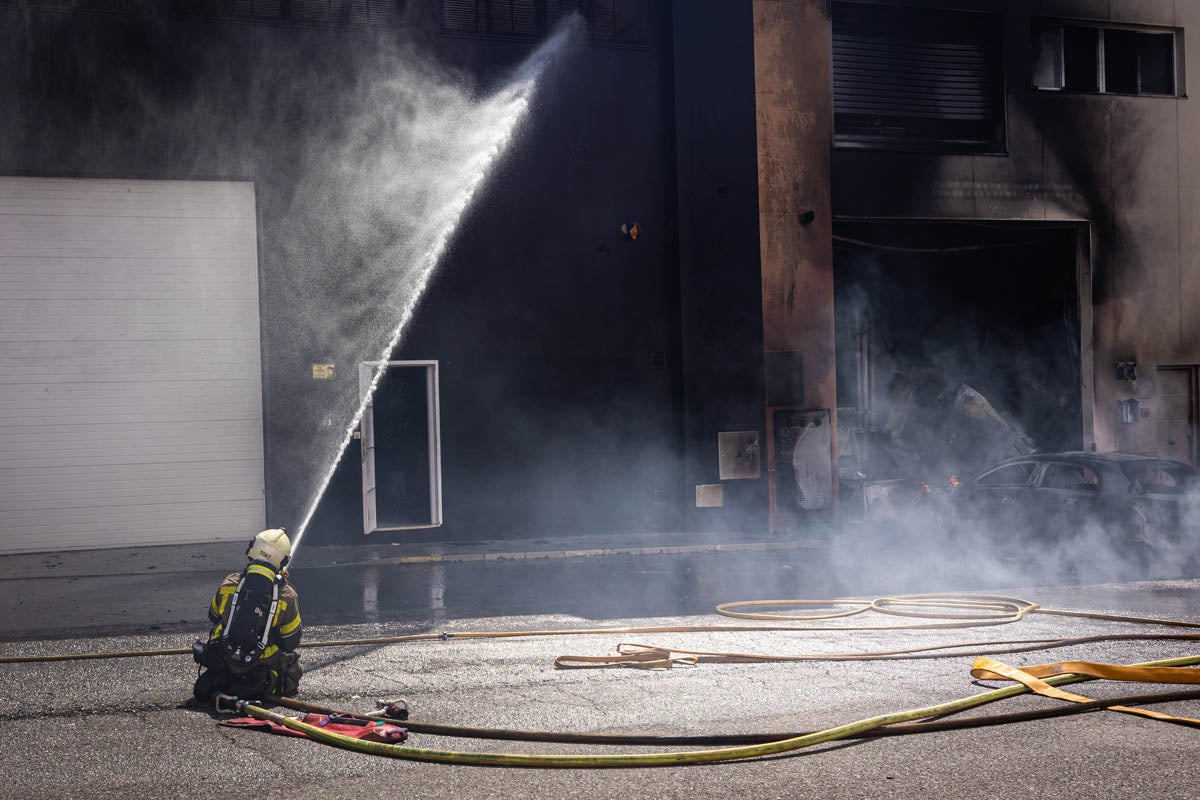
(285, 628)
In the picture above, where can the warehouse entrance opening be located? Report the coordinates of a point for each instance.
(958, 344)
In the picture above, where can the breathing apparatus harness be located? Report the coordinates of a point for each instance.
(239, 642)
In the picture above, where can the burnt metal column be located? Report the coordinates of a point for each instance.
(793, 88)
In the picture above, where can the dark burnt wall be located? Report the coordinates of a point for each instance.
(1126, 165)
(558, 337)
(720, 275)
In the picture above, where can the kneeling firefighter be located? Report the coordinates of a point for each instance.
(250, 651)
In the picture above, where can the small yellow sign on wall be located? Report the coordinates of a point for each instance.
(322, 372)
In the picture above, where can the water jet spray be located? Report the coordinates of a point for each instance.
(509, 107)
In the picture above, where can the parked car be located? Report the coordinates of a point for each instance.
(1088, 507)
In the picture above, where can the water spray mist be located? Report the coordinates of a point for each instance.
(505, 109)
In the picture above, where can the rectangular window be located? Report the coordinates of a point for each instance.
(1111, 59)
(917, 79)
(1081, 66)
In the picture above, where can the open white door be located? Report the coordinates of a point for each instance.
(401, 449)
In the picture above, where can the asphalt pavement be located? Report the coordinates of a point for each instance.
(120, 728)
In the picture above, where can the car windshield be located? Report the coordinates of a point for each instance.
(1160, 478)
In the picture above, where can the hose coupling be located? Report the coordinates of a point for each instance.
(228, 704)
(445, 636)
(393, 709)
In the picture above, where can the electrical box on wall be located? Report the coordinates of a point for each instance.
(1129, 411)
(802, 459)
(710, 495)
(738, 455)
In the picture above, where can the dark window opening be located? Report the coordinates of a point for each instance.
(922, 79)
(1069, 57)
(957, 346)
(1156, 63)
(1121, 61)
(1081, 72)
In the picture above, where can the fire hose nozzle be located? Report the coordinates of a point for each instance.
(393, 709)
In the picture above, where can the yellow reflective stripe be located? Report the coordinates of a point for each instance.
(259, 569)
(270, 651)
(222, 598)
(284, 630)
(216, 632)
(279, 609)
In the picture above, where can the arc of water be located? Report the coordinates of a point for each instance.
(516, 100)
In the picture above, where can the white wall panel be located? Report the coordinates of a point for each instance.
(130, 375)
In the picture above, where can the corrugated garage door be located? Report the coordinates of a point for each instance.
(130, 381)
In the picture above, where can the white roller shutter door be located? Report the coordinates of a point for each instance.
(130, 377)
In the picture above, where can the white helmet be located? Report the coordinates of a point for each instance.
(272, 546)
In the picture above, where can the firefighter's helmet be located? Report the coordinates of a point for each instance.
(272, 546)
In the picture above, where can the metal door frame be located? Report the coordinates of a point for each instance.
(433, 424)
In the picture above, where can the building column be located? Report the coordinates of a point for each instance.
(794, 98)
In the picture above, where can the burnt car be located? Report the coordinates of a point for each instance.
(1103, 509)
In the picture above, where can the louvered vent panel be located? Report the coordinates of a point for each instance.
(917, 76)
(460, 15)
(504, 17)
(259, 9)
(356, 11)
(385, 12)
(497, 16)
(312, 10)
(103, 6)
(617, 21)
(524, 15)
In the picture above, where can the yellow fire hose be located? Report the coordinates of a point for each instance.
(1165, 670)
(724, 739)
(953, 611)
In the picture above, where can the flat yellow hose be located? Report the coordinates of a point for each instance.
(593, 760)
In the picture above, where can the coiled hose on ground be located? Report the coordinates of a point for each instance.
(946, 611)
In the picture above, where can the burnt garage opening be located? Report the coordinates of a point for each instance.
(958, 344)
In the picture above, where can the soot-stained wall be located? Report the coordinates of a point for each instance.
(1125, 165)
(558, 337)
(719, 259)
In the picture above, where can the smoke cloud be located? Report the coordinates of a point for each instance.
(364, 148)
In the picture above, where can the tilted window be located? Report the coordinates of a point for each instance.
(917, 79)
(1086, 57)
